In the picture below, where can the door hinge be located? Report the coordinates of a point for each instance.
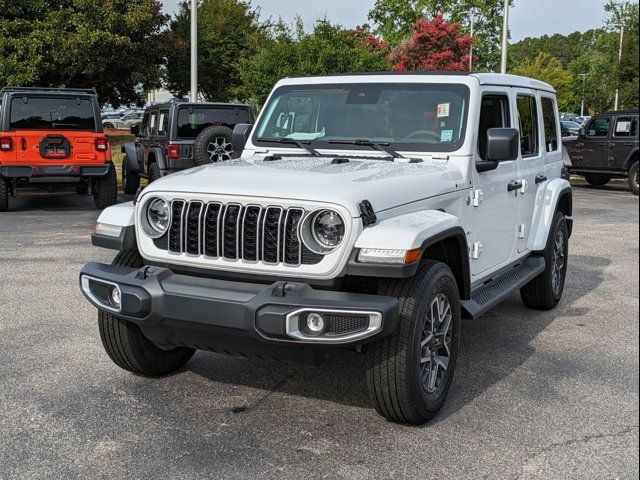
(475, 198)
(476, 250)
(522, 230)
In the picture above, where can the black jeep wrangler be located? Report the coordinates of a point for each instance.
(174, 136)
(608, 148)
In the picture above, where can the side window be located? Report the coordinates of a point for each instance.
(528, 120)
(163, 123)
(152, 123)
(626, 127)
(145, 124)
(550, 124)
(599, 127)
(494, 113)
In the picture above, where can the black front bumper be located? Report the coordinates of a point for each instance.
(62, 172)
(234, 317)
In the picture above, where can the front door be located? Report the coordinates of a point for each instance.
(592, 149)
(497, 211)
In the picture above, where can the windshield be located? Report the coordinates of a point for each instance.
(412, 117)
(52, 113)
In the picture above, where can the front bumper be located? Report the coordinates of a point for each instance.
(34, 172)
(220, 315)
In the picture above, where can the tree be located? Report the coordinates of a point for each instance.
(290, 52)
(116, 47)
(228, 30)
(433, 45)
(549, 69)
(393, 20)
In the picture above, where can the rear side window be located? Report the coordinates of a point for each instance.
(192, 121)
(52, 113)
(528, 118)
(163, 123)
(599, 127)
(626, 127)
(550, 124)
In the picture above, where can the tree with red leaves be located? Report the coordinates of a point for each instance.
(433, 45)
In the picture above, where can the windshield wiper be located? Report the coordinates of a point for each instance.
(381, 146)
(291, 141)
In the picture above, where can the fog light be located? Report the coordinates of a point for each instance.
(315, 323)
(115, 297)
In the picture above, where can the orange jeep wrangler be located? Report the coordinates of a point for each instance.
(52, 138)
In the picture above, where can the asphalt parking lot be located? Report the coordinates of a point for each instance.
(536, 395)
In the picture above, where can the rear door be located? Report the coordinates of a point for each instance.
(53, 129)
(624, 138)
(592, 148)
(148, 133)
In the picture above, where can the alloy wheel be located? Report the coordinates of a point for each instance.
(435, 343)
(219, 150)
(558, 263)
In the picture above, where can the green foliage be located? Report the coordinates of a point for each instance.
(549, 69)
(113, 46)
(228, 30)
(393, 20)
(290, 52)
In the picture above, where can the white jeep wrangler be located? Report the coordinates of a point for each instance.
(367, 211)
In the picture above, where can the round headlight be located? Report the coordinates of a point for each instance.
(158, 215)
(328, 228)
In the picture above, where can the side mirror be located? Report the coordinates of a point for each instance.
(503, 144)
(239, 137)
(135, 130)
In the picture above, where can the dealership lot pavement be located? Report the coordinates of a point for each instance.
(536, 395)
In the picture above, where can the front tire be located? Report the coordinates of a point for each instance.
(597, 180)
(127, 346)
(130, 180)
(633, 179)
(545, 291)
(106, 191)
(409, 373)
(4, 195)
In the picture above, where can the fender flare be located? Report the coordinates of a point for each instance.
(158, 154)
(130, 150)
(422, 230)
(550, 196)
(629, 161)
(123, 216)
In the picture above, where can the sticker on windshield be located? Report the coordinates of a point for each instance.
(443, 109)
(446, 135)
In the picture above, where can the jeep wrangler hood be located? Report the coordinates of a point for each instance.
(384, 183)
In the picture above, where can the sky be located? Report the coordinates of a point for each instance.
(528, 18)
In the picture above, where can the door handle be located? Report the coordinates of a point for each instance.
(603, 144)
(540, 179)
(629, 144)
(515, 185)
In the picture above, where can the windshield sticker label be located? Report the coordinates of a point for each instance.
(446, 135)
(443, 109)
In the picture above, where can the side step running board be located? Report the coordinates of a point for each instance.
(488, 296)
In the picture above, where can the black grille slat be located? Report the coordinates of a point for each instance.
(346, 323)
(175, 230)
(291, 242)
(211, 226)
(192, 228)
(250, 233)
(231, 222)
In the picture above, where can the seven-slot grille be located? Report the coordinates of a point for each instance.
(251, 233)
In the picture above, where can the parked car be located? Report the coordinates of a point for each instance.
(570, 128)
(125, 122)
(52, 138)
(178, 135)
(608, 148)
(369, 212)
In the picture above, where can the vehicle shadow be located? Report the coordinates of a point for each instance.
(61, 201)
(493, 347)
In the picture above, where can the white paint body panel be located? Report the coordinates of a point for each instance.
(544, 211)
(122, 215)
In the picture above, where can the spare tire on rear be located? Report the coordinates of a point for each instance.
(213, 145)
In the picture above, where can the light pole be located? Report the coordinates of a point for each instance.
(193, 94)
(615, 104)
(472, 18)
(584, 80)
(505, 37)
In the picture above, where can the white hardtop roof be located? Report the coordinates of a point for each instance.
(499, 79)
